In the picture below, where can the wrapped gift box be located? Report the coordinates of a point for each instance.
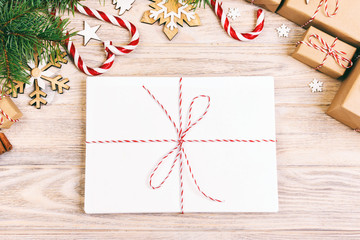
(345, 24)
(271, 5)
(9, 108)
(241, 173)
(346, 105)
(312, 56)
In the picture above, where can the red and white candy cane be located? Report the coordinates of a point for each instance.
(322, 2)
(2, 113)
(179, 150)
(110, 49)
(329, 50)
(225, 23)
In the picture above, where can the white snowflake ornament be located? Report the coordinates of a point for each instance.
(123, 5)
(40, 74)
(171, 13)
(233, 13)
(36, 71)
(316, 86)
(37, 75)
(283, 31)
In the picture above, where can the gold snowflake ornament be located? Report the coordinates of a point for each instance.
(171, 13)
(39, 74)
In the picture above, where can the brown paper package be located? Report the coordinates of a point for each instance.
(314, 57)
(271, 5)
(345, 24)
(9, 107)
(346, 104)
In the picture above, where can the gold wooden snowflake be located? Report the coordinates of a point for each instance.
(39, 74)
(171, 13)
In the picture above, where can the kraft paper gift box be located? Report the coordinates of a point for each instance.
(242, 174)
(314, 57)
(346, 105)
(271, 5)
(345, 24)
(9, 108)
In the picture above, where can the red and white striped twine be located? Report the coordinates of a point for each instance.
(329, 50)
(185, 141)
(2, 113)
(225, 23)
(179, 150)
(322, 2)
(110, 49)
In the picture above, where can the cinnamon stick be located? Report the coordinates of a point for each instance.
(2, 149)
(5, 142)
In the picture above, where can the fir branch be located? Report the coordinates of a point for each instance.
(27, 27)
(61, 5)
(7, 63)
(198, 3)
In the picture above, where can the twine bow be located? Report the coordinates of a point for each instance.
(179, 151)
(179, 148)
(329, 50)
(322, 2)
(3, 114)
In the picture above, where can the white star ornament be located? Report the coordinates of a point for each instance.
(89, 33)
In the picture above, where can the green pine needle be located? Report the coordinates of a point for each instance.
(26, 28)
(198, 3)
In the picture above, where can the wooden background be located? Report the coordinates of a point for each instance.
(42, 179)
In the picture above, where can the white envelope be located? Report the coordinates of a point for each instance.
(242, 175)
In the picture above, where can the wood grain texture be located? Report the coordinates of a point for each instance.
(42, 178)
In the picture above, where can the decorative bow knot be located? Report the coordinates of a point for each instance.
(329, 50)
(322, 2)
(179, 148)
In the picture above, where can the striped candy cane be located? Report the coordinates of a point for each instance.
(322, 2)
(110, 50)
(225, 23)
(3, 114)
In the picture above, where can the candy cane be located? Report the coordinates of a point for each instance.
(216, 5)
(110, 49)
